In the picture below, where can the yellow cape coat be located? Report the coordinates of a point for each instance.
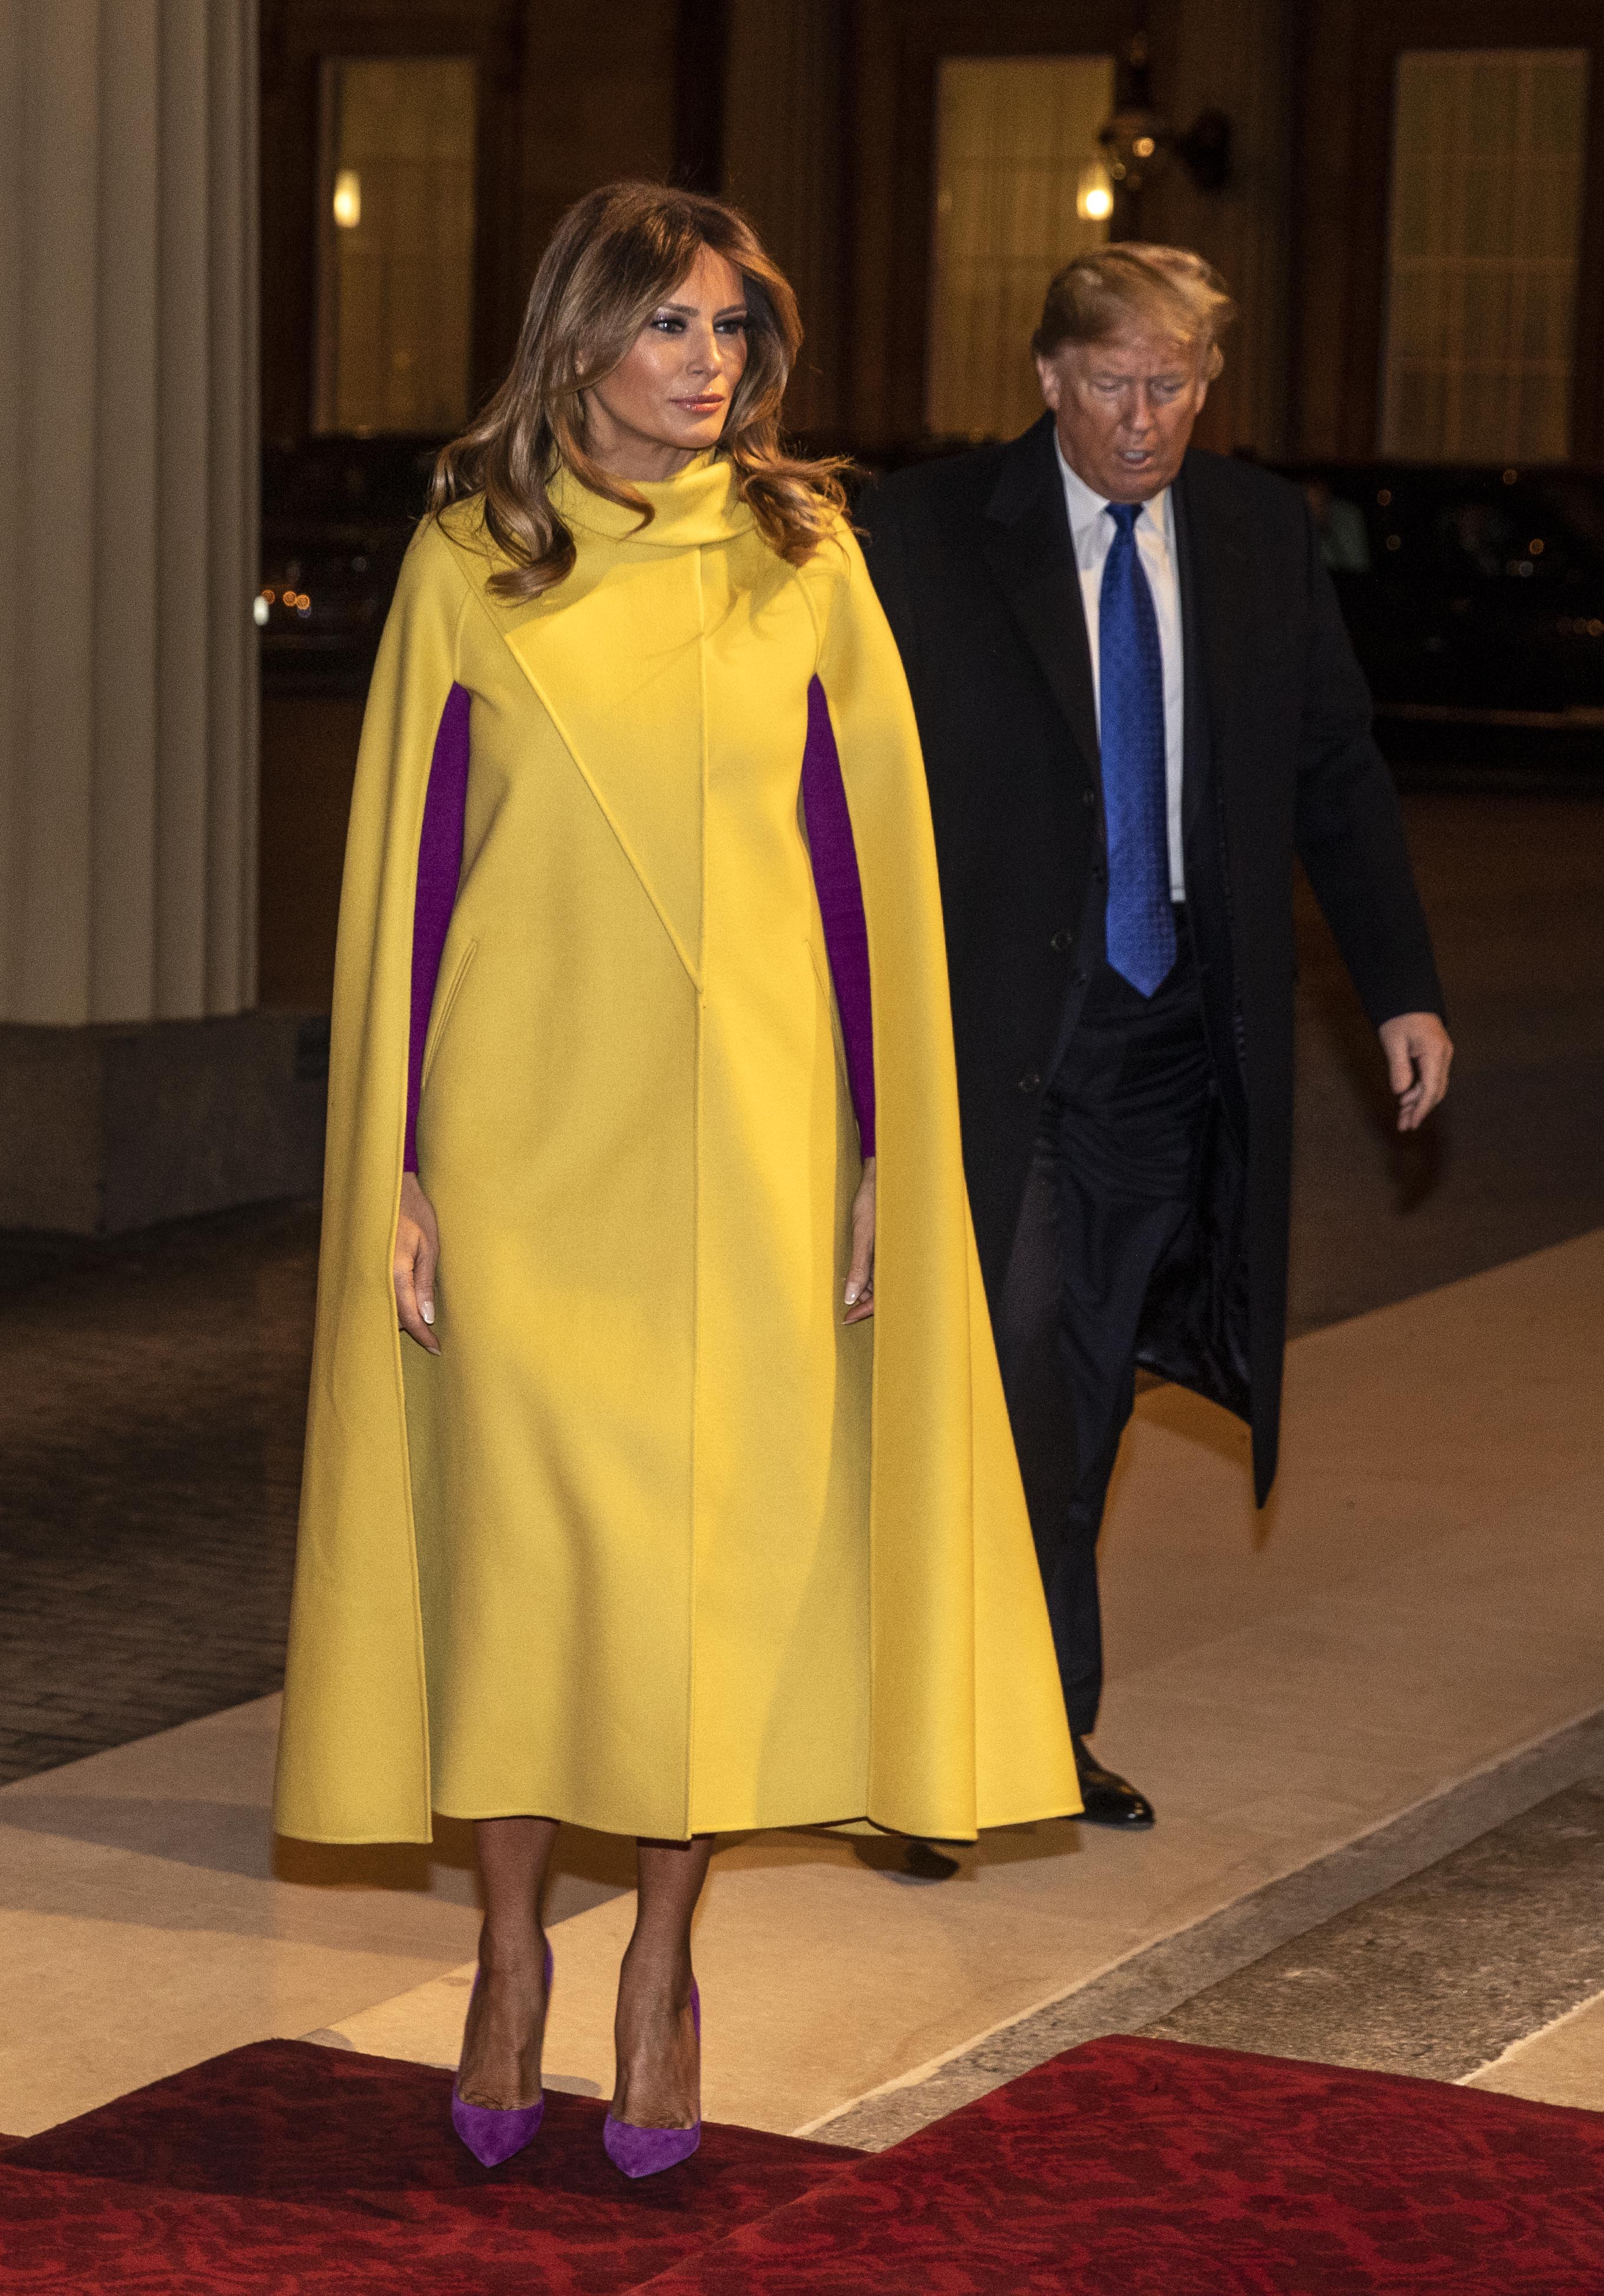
(656, 1544)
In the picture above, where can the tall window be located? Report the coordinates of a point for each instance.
(1486, 206)
(395, 277)
(1017, 161)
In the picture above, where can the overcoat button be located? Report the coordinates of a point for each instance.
(1031, 1081)
(1089, 799)
(1060, 940)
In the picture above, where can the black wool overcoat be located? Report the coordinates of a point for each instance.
(974, 564)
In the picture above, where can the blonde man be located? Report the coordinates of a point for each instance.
(1137, 702)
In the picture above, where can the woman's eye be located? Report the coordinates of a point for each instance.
(733, 326)
(669, 325)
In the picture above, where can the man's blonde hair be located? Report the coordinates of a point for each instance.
(1168, 289)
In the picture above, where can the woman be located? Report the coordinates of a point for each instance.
(652, 1528)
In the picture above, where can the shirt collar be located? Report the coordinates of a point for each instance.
(1086, 507)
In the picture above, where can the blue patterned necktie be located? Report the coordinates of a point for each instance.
(1141, 920)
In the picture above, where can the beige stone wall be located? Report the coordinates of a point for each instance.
(127, 469)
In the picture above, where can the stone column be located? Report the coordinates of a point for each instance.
(129, 562)
(784, 160)
(1235, 56)
(137, 1084)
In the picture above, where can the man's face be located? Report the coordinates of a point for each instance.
(1125, 409)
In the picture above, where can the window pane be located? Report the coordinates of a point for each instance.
(1486, 205)
(396, 282)
(1014, 136)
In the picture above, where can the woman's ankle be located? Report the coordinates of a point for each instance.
(510, 1949)
(651, 1976)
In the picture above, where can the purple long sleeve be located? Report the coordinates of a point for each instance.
(834, 875)
(840, 904)
(439, 867)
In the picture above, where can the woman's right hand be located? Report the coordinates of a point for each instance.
(417, 1257)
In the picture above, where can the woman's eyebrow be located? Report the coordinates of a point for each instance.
(693, 310)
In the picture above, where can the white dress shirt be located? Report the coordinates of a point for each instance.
(1093, 531)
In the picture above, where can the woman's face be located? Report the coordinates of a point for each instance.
(668, 400)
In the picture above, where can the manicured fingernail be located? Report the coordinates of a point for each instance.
(428, 1311)
(852, 1293)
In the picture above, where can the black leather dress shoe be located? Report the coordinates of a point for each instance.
(1110, 1800)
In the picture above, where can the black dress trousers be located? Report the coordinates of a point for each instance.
(1112, 1181)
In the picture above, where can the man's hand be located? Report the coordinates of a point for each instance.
(1419, 1051)
(860, 1275)
(417, 1257)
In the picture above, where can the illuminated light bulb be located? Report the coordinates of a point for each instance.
(347, 199)
(1144, 147)
(258, 612)
(1094, 195)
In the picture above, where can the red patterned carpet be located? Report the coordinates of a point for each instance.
(1122, 2168)
(288, 2168)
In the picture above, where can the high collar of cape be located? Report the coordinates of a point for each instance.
(702, 504)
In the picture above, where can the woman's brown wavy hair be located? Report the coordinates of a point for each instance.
(616, 255)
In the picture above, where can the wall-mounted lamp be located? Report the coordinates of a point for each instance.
(1138, 141)
(1095, 194)
(347, 199)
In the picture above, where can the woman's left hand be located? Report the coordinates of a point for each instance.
(860, 1275)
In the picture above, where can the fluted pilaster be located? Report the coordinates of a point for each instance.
(127, 469)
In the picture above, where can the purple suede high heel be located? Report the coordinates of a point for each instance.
(495, 2133)
(647, 2152)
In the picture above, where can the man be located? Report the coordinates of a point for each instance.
(1137, 701)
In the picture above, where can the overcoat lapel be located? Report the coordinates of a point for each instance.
(1197, 744)
(1214, 570)
(1028, 548)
